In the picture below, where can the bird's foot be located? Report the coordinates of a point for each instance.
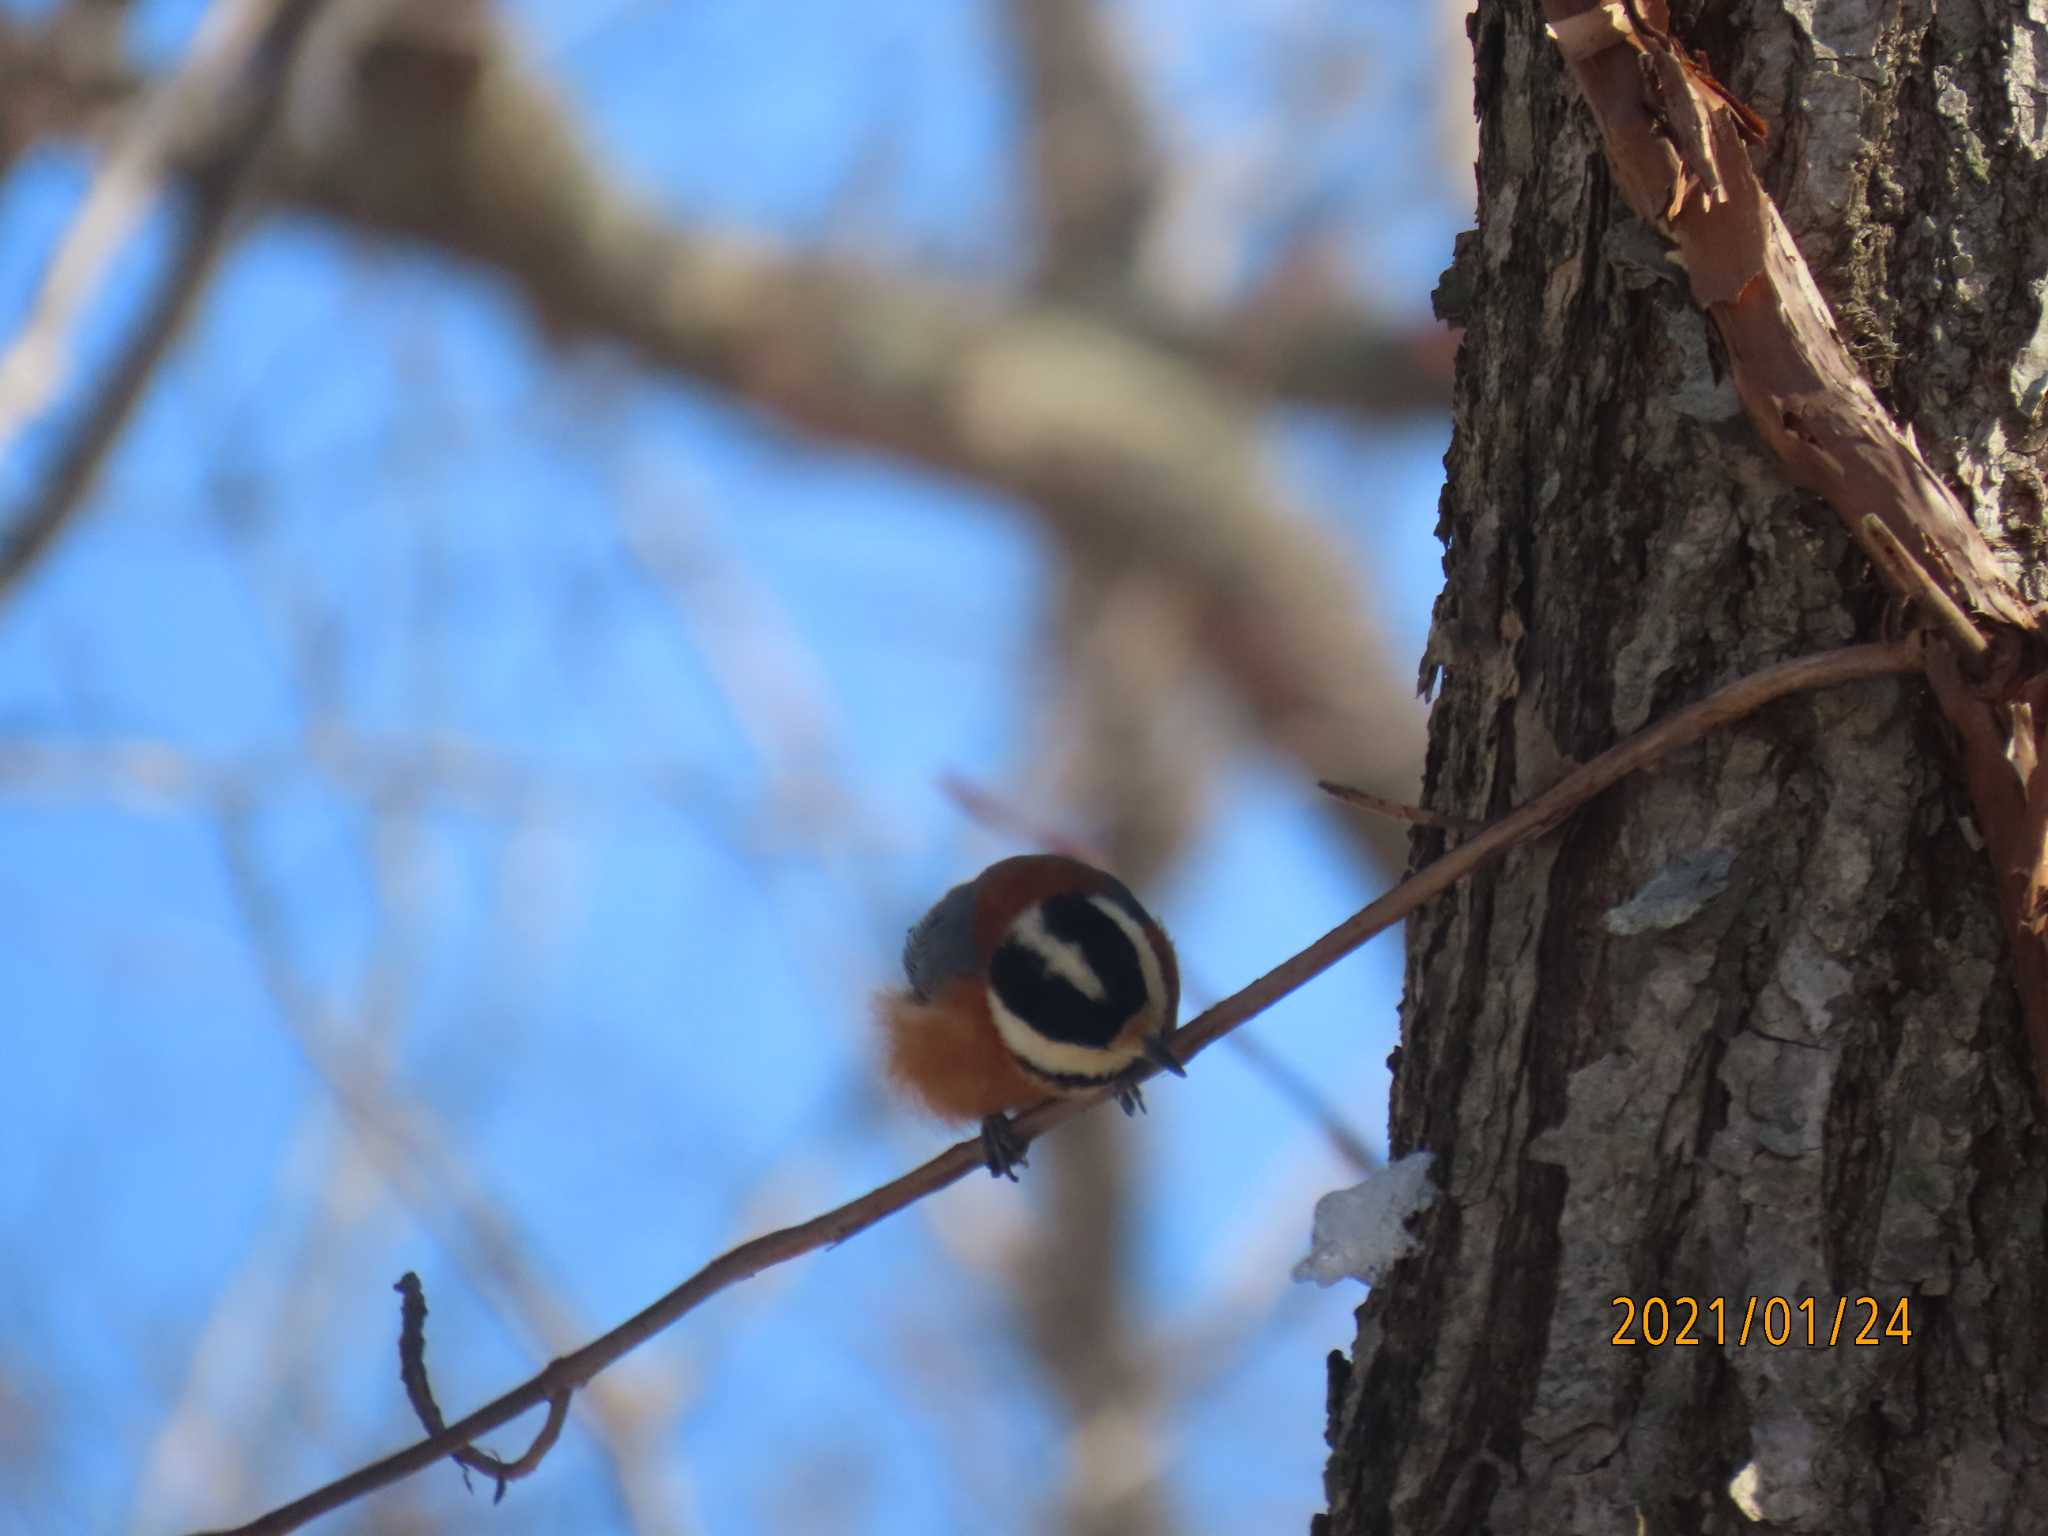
(1129, 1098)
(1002, 1149)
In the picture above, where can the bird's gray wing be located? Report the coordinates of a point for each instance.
(941, 946)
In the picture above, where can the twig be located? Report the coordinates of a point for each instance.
(1395, 810)
(1728, 704)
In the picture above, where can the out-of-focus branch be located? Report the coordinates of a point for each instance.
(1072, 414)
(1307, 1100)
(1456, 113)
(1091, 149)
(1073, 1290)
(86, 36)
(1137, 460)
(479, 158)
(1309, 351)
(1330, 353)
(1136, 741)
(238, 36)
(1131, 749)
(37, 361)
(446, 769)
(767, 676)
(1136, 752)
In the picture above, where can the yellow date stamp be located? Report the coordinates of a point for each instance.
(1778, 1321)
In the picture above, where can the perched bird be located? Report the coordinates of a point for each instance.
(1041, 975)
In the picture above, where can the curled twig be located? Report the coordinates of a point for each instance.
(412, 1371)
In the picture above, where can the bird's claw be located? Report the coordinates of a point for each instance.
(1002, 1149)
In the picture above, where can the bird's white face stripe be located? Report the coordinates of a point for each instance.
(1148, 960)
(1064, 960)
(1049, 1055)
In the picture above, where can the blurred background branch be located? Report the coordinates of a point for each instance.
(37, 362)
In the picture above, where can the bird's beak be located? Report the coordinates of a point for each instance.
(1160, 1056)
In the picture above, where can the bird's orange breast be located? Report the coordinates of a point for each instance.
(947, 1055)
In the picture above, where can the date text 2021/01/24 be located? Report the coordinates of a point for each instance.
(1777, 1321)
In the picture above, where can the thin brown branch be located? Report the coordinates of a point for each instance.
(551, 1431)
(412, 1352)
(1740, 698)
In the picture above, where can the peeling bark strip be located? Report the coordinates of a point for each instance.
(1677, 144)
(1673, 131)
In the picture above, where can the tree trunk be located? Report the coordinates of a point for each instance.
(1744, 1028)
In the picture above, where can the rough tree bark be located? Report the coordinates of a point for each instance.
(1794, 1068)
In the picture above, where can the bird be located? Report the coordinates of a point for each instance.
(1042, 975)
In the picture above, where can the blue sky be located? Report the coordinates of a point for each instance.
(360, 589)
